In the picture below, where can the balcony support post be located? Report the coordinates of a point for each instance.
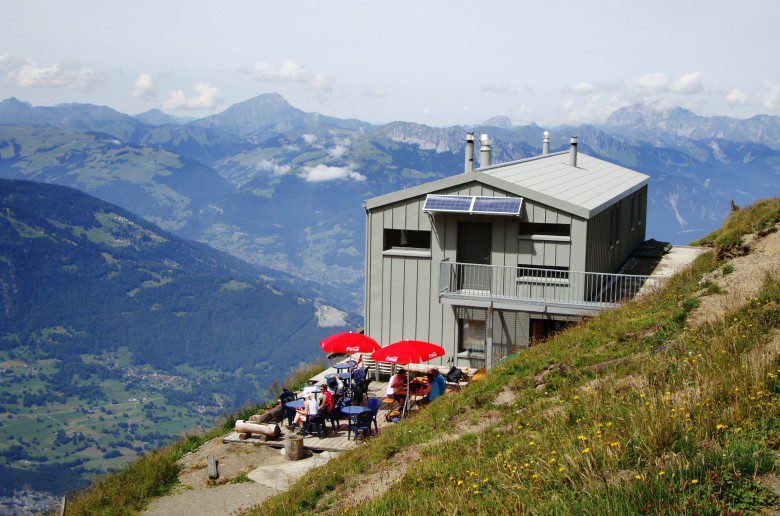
(489, 337)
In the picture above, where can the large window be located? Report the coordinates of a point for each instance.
(407, 239)
(540, 228)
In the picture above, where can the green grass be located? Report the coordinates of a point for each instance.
(758, 217)
(638, 413)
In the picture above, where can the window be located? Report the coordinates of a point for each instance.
(471, 336)
(542, 273)
(538, 228)
(407, 239)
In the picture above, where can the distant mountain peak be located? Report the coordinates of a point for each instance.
(157, 117)
(14, 101)
(500, 121)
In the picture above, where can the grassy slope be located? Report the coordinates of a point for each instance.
(636, 412)
(619, 381)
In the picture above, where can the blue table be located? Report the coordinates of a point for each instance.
(341, 366)
(351, 411)
(296, 404)
(343, 376)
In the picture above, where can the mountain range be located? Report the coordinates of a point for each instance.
(237, 180)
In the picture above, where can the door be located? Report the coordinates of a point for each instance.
(474, 243)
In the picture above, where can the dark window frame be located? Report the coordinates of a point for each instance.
(412, 239)
(544, 228)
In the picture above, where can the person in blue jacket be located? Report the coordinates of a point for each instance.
(438, 385)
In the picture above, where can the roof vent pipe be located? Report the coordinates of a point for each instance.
(573, 152)
(485, 152)
(545, 143)
(469, 166)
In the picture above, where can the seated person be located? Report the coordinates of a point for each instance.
(438, 385)
(335, 385)
(396, 387)
(309, 409)
(326, 399)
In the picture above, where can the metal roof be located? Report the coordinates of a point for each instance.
(593, 184)
(584, 190)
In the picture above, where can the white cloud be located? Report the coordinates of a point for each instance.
(498, 89)
(375, 94)
(588, 102)
(738, 97)
(70, 75)
(144, 88)
(309, 138)
(337, 151)
(207, 97)
(290, 72)
(580, 87)
(465, 109)
(267, 164)
(689, 84)
(769, 98)
(322, 173)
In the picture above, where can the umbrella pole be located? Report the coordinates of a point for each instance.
(406, 398)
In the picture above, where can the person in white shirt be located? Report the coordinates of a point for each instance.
(309, 409)
(396, 387)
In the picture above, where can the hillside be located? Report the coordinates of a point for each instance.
(116, 335)
(654, 407)
(667, 404)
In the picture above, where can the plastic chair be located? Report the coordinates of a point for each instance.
(363, 423)
(373, 406)
(285, 397)
(333, 417)
(318, 422)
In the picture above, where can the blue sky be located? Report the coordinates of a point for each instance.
(437, 62)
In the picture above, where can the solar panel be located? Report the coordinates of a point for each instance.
(497, 205)
(459, 203)
(472, 204)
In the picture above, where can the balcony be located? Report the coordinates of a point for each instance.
(537, 290)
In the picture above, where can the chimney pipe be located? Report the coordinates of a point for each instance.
(545, 143)
(469, 166)
(573, 152)
(485, 152)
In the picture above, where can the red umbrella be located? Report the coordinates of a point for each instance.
(348, 343)
(408, 352)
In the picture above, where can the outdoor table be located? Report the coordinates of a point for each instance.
(341, 366)
(297, 404)
(351, 411)
(343, 376)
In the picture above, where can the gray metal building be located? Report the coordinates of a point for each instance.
(490, 260)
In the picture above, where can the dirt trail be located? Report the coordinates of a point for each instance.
(195, 495)
(744, 282)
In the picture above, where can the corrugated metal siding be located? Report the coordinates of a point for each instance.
(604, 253)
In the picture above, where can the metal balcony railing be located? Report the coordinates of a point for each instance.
(552, 286)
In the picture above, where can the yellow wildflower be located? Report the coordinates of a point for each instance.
(586, 450)
(531, 443)
(695, 481)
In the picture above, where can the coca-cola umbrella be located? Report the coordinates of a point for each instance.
(348, 343)
(408, 352)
